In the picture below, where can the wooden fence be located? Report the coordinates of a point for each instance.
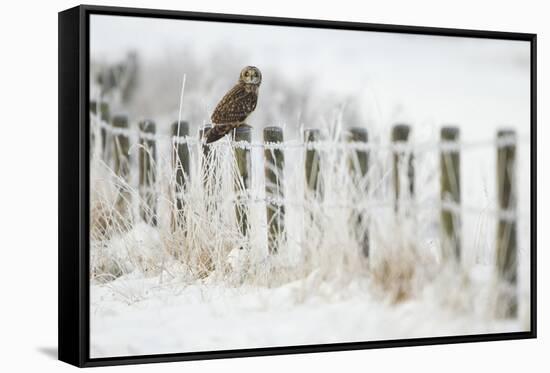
(115, 130)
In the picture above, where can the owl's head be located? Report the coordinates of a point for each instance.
(250, 75)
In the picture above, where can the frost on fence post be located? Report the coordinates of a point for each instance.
(359, 166)
(450, 195)
(242, 180)
(402, 160)
(274, 161)
(206, 169)
(180, 165)
(205, 152)
(314, 233)
(313, 163)
(93, 112)
(104, 115)
(506, 240)
(121, 158)
(147, 172)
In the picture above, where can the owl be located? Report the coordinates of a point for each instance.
(236, 105)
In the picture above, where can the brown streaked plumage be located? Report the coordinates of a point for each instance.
(236, 105)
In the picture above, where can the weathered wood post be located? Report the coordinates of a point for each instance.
(205, 153)
(313, 162)
(359, 167)
(274, 187)
(313, 188)
(207, 171)
(93, 111)
(180, 163)
(121, 146)
(506, 240)
(121, 157)
(147, 154)
(242, 181)
(450, 194)
(402, 158)
(104, 115)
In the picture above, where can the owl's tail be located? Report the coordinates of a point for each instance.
(217, 132)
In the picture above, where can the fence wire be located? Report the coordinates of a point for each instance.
(405, 147)
(443, 146)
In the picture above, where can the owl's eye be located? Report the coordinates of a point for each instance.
(246, 73)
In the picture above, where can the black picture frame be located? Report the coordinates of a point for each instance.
(74, 184)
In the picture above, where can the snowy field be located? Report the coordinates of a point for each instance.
(155, 290)
(154, 317)
(163, 314)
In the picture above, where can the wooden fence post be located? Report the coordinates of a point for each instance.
(180, 163)
(147, 171)
(242, 182)
(104, 115)
(205, 152)
(207, 169)
(400, 135)
(121, 147)
(313, 162)
(450, 194)
(359, 167)
(93, 139)
(506, 239)
(274, 187)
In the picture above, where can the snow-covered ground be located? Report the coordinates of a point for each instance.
(176, 317)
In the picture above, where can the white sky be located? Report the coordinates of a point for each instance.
(433, 79)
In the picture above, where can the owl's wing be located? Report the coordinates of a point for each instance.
(235, 106)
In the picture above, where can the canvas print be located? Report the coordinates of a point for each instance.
(259, 186)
